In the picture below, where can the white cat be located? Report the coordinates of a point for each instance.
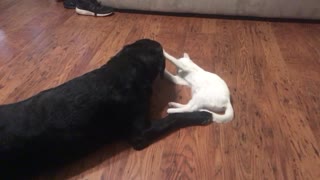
(209, 92)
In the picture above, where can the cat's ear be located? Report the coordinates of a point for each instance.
(185, 55)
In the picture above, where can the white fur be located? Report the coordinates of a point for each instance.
(209, 92)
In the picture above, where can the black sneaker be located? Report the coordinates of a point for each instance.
(69, 4)
(92, 8)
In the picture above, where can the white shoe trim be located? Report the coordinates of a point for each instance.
(89, 13)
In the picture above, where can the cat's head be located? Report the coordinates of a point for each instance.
(185, 57)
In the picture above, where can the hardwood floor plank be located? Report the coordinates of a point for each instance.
(304, 68)
(292, 120)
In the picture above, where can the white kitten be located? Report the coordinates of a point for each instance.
(209, 92)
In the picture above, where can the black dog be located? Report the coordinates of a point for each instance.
(103, 105)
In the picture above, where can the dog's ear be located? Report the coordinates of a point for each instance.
(185, 55)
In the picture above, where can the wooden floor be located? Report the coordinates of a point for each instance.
(271, 68)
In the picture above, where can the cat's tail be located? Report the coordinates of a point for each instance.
(223, 118)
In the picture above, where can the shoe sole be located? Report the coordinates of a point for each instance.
(89, 13)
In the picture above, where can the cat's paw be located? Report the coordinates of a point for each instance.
(175, 105)
(171, 104)
(171, 110)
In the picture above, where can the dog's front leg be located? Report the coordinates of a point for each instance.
(172, 122)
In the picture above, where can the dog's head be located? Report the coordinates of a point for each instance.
(148, 53)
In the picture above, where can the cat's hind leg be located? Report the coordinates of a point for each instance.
(190, 107)
(181, 109)
(176, 105)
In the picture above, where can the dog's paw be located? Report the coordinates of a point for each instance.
(206, 121)
(205, 117)
(139, 143)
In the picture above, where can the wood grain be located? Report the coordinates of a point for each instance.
(272, 69)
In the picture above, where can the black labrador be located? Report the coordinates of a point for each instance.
(105, 104)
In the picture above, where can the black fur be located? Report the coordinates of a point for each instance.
(96, 108)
